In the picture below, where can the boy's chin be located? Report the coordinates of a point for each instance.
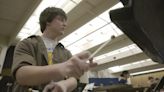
(61, 33)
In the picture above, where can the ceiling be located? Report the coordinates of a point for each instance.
(14, 14)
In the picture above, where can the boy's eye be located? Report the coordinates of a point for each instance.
(61, 19)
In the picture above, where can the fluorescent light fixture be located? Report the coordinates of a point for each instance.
(88, 28)
(138, 64)
(115, 69)
(32, 27)
(95, 32)
(95, 38)
(69, 6)
(22, 35)
(76, 1)
(119, 53)
(149, 71)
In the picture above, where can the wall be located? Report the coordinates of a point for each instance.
(142, 80)
(2, 56)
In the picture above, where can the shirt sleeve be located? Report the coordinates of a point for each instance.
(23, 55)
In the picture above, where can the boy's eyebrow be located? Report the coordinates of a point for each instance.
(62, 17)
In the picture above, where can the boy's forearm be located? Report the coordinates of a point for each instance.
(36, 75)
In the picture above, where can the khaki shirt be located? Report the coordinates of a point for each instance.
(32, 51)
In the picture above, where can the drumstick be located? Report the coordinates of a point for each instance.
(100, 48)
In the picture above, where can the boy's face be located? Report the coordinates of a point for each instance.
(127, 75)
(57, 26)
